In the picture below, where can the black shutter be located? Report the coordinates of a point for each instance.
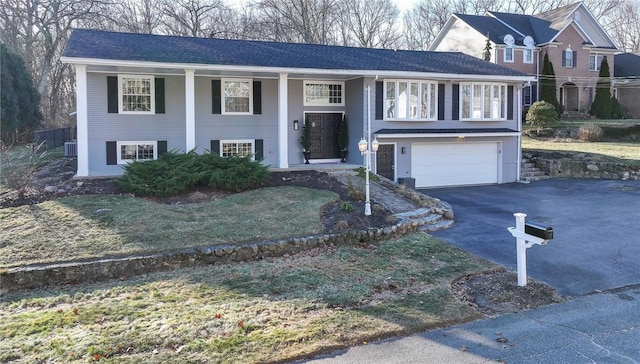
(509, 102)
(575, 59)
(564, 58)
(112, 94)
(162, 147)
(112, 153)
(441, 101)
(455, 102)
(215, 147)
(257, 97)
(259, 149)
(159, 88)
(379, 100)
(216, 94)
(534, 93)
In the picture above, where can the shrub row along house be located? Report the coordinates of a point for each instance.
(571, 36)
(443, 118)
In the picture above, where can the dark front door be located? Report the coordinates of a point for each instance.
(324, 131)
(385, 158)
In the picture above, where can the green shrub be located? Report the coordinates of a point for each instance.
(362, 173)
(590, 132)
(346, 206)
(616, 109)
(175, 173)
(541, 114)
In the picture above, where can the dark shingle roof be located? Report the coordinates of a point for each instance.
(539, 29)
(94, 44)
(626, 65)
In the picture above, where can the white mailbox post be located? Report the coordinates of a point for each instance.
(524, 240)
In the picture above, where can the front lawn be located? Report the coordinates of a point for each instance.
(261, 311)
(627, 152)
(98, 226)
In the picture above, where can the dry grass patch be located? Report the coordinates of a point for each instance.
(627, 152)
(270, 310)
(89, 227)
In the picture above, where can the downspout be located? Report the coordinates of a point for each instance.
(519, 118)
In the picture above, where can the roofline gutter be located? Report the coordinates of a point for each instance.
(318, 71)
(446, 135)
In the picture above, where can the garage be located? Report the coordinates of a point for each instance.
(455, 164)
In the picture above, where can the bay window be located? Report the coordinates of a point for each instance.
(410, 100)
(483, 101)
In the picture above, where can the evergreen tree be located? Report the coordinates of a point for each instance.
(548, 89)
(20, 110)
(601, 106)
(487, 49)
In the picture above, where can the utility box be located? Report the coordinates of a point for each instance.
(538, 230)
(407, 182)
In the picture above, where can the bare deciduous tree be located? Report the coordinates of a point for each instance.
(370, 24)
(190, 17)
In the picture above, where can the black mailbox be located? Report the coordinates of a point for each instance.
(539, 230)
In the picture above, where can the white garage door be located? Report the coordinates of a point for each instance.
(454, 164)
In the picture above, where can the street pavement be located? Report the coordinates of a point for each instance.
(594, 260)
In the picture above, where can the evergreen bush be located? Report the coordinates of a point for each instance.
(541, 114)
(175, 173)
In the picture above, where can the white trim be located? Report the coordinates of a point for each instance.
(283, 117)
(239, 141)
(407, 106)
(222, 98)
(446, 135)
(318, 82)
(152, 94)
(524, 58)
(504, 102)
(190, 110)
(121, 161)
(82, 121)
(309, 71)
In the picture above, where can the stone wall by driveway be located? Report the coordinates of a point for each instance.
(580, 165)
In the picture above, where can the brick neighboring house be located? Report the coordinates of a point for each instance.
(574, 40)
(626, 83)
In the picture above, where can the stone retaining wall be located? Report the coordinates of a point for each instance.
(81, 272)
(581, 165)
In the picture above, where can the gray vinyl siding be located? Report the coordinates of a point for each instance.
(103, 127)
(356, 111)
(264, 126)
(403, 161)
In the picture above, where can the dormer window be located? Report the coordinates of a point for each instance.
(508, 50)
(527, 53)
(568, 58)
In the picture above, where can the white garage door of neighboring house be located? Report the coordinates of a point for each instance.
(454, 164)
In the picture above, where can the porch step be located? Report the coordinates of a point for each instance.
(426, 219)
(530, 173)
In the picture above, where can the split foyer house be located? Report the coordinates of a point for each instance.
(574, 40)
(443, 118)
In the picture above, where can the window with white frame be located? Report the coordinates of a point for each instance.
(483, 101)
(527, 55)
(237, 95)
(509, 42)
(410, 100)
(594, 62)
(237, 148)
(323, 93)
(136, 151)
(136, 94)
(568, 58)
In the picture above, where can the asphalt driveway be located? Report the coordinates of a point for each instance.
(596, 224)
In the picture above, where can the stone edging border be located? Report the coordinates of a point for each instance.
(40, 276)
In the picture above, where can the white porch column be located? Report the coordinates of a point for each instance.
(190, 107)
(82, 118)
(283, 115)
